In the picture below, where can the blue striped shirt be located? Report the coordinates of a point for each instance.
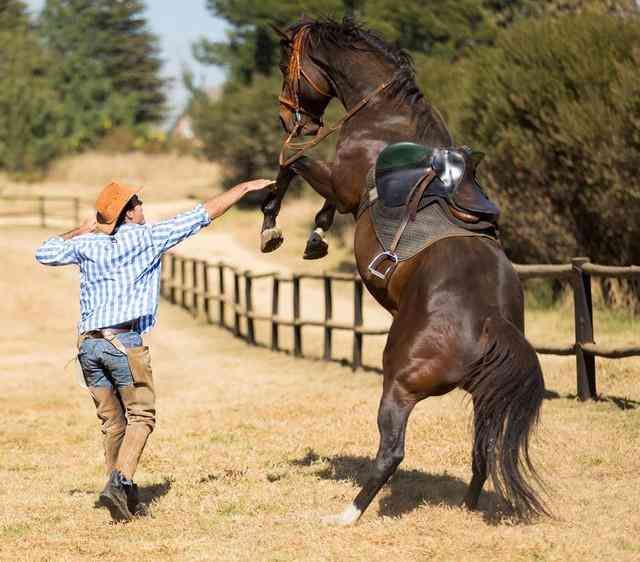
(120, 274)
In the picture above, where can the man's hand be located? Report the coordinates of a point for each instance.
(87, 226)
(220, 204)
(257, 185)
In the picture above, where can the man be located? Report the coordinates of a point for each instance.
(119, 257)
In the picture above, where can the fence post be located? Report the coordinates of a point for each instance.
(43, 216)
(248, 299)
(173, 288)
(297, 329)
(275, 311)
(236, 302)
(194, 284)
(583, 309)
(164, 260)
(356, 361)
(221, 302)
(205, 291)
(328, 316)
(76, 210)
(183, 280)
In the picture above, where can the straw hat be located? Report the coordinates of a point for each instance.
(112, 199)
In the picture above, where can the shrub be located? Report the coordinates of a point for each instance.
(557, 107)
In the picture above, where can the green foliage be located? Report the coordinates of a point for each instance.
(441, 28)
(240, 130)
(29, 111)
(130, 56)
(13, 15)
(107, 69)
(252, 46)
(556, 105)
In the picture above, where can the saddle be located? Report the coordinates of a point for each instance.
(436, 185)
(402, 165)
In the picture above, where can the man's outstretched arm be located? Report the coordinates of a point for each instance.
(220, 204)
(170, 232)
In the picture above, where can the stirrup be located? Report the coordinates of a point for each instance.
(375, 262)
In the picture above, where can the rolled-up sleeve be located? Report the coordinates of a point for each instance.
(168, 233)
(57, 251)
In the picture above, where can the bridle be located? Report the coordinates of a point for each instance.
(295, 74)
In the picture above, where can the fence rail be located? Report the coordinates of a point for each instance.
(193, 291)
(39, 207)
(186, 281)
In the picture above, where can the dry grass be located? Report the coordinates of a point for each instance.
(253, 447)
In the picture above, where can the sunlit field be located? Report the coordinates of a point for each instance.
(252, 447)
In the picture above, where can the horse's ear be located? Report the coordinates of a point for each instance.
(283, 34)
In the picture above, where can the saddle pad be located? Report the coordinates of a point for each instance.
(430, 226)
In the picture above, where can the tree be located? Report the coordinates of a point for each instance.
(90, 105)
(252, 46)
(130, 56)
(29, 111)
(107, 71)
(13, 15)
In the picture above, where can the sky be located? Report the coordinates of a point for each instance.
(178, 25)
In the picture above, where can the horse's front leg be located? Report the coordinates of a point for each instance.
(271, 237)
(393, 415)
(318, 175)
(317, 246)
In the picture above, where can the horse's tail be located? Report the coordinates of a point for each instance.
(507, 388)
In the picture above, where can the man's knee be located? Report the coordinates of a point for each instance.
(139, 403)
(109, 410)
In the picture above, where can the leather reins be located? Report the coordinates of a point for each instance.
(295, 72)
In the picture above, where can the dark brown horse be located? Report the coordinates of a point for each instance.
(458, 315)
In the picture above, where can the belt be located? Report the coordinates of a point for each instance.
(104, 333)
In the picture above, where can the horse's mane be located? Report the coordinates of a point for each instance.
(350, 34)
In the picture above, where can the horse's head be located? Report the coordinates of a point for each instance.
(306, 88)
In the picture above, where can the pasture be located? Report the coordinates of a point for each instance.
(252, 448)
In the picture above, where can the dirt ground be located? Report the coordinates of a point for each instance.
(252, 447)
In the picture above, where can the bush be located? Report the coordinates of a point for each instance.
(556, 105)
(557, 108)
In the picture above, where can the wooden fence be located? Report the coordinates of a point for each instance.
(45, 209)
(187, 282)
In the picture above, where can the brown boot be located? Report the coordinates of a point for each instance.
(114, 497)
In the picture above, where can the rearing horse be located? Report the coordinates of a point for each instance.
(458, 311)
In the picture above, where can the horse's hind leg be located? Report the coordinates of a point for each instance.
(478, 467)
(392, 423)
(317, 246)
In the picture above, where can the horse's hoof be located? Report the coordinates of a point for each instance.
(271, 239)
(335, 521)
(348, 517)
(316, 247)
